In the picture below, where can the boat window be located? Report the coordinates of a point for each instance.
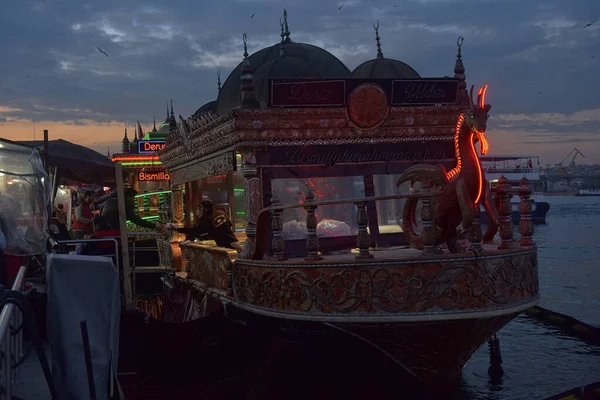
(215, 189)
(239, 200)
(227, 193)
(333, 220)
(389, 212)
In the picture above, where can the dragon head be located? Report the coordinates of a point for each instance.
(476, 118)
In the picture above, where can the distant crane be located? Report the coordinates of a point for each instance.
(562, 167)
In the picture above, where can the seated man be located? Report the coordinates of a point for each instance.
(212, 224)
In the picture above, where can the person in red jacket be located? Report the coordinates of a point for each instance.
(83, 218)
(102, 230)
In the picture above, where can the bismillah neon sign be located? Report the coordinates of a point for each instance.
(150, 146)
(153, 176)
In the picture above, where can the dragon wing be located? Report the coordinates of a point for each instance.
(429, 175)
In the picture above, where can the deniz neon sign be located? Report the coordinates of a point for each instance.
(153, 176)
(150, 146)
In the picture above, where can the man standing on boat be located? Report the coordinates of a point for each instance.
(212, 224)
(110, 210)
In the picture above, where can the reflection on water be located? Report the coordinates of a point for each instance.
(539, 361)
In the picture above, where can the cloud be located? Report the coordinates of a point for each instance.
(160, 50)
(561, 119)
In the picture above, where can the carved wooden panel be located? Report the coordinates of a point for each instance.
(464, 284)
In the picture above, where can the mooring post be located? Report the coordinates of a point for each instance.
(495, 370)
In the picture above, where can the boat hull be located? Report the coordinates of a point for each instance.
(426, 314)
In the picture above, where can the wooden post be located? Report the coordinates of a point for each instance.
(475, 233)
(363, 240)
(503, 194)
(525, 210)
(46, 161)
(312, 241)
(127, 288)
(277, 243)
(46, 155)
(428, 232)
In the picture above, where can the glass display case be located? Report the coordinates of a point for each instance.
(389, 212)
(333, 220)
(226, 191)
(23, 197)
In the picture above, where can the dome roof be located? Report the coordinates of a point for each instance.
(210, 106)
(384, 68)
(381, 67)
(299, 61)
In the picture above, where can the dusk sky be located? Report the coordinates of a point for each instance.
(541, 61)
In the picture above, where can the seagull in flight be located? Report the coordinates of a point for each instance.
(590, 24)
(252, 16)
(340, 7)
(101, 51)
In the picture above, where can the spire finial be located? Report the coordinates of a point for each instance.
(377, 39)
(459, 72)
(248, 99)
(154, 128)
(282, 49)
(167, 110)
(219, 81)
(172, 114)
(285, 25)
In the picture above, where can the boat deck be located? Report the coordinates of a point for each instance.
(397, 253)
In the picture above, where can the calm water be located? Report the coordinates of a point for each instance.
(538, 361)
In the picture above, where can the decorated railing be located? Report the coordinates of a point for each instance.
(503, 193)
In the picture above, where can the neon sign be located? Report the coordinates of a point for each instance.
(150, 146)
(153, 176)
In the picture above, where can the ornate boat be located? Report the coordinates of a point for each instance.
(362, 195)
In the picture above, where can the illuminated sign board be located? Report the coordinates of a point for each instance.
(150, 146)
(153, 176)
